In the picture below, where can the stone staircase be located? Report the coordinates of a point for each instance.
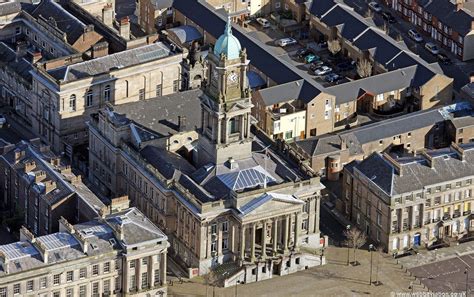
(225, 271)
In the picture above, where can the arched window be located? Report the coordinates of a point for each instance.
(72, 102)
(89, 98)
(107, 93)
(233, 125)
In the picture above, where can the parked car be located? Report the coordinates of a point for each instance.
(432, 48)
(332, 77)
(286, 41)
(323, 70)
(389, 17)
(263, 22)
(375, 6)
(310, 58)
(346, 66)
(3, 120)
(302, 52)
(442, 58)
(415, 35)
(315, 65)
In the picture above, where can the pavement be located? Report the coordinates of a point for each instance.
(459, 70)
(333, 279)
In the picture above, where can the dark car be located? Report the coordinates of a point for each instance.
(346, 66)
(388, 17)
(442, 58)
(315, 65)
(332, 77)
(302, 52)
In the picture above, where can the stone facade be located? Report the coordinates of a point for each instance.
(100, 257)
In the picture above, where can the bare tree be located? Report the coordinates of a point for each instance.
(334, 46)
(355, 239)
(364, 68)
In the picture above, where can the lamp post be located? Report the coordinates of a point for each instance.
(348, 227)
(236, 283)
(466, 272)
(371, 247)
(321, 256)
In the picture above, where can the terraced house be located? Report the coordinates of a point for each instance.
(409, 201)
(450, 22)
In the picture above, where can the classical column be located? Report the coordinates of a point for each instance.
(264, 240)
(138, 276)
(252, 244)
(317, 212)
(297, 229)
(275, 235)
(219, 131)
(286, 236)
(242, 243)
(226, 131)
(242, 126)
(421, 213)
(248, 125)
(151, 271)
(163, 268)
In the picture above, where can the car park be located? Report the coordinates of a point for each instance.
(323, 70)
(263, 22)
(432, 48)
(387, 16)
(415, 35)
(332, 77)
(286, 41)
(375, 6)
(442, 58)
(311, 58)
(302, 52)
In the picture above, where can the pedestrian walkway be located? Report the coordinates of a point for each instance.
(426, 257)
(333, 279)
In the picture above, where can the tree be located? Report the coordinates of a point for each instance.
(334, 46)
(355, 239)
(364, 68)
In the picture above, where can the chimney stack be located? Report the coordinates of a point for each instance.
(124, 28)
(458, 150)
(26, 235)
(49, 186)
(18, 155)
(21, 49)
(181, 123)
(394, 163)
(459, 4)
(29, 166)
(108, 15)
(428, 158)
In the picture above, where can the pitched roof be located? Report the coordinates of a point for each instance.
(286, 92)
(445, 11)
(65, 21)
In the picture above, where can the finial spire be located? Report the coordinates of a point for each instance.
(228, 27)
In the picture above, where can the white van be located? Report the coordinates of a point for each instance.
(432, 48)
(263, 22)
(415, 35)
(286, 41)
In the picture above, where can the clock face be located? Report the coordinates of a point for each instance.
(233, 77)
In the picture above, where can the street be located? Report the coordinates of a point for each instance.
(458, 70)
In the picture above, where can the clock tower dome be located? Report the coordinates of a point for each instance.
(226, 103)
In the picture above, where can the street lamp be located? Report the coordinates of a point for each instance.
(466, 272)
(236, 283)
(348, 227)
(321, 256)
(371, 247)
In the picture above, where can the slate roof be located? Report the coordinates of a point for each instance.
(286, 92)
(346, 22)
(104, 65)
(416, 174)
(63, 246)
(20, 66)
(445, 11)
(64, 20)
(160, 114)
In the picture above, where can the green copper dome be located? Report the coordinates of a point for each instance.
(228, 44)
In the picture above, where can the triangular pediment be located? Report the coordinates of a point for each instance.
(237, 107)
(270, 202)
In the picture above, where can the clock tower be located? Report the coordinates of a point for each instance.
(226, 104)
